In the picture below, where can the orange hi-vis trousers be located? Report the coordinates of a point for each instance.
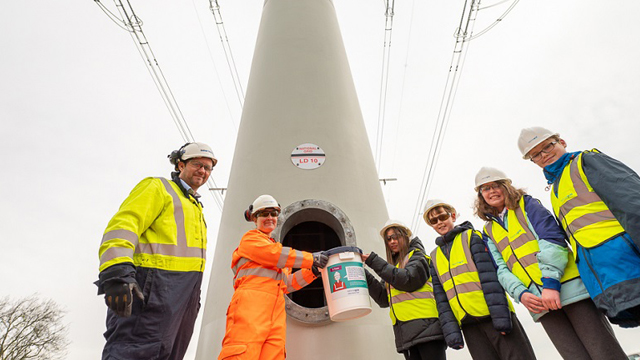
(256, 324)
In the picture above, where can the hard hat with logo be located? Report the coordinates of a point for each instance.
(489, 174)
(432, 204)
(260, 203)
(531, 137)
(191, 151)
(394, 223)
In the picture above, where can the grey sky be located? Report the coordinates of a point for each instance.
(82, 122)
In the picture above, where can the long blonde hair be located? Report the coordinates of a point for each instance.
(512, 196)
(403, 246)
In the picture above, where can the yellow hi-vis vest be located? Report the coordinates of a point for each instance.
(519, 247)
(156, 227)
(460, 279)
(582, 213)
(419, 304)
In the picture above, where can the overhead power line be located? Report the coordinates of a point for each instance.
(133, 24)
(462, 35)
(224, 39)
(384, 78)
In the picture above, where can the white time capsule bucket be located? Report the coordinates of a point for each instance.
(345, 284)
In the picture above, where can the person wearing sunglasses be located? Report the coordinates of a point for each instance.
(597, 201)
(469, 296)
(406, 290)
(256, 317)
(538, 270)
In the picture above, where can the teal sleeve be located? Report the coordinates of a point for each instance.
(552, 259)
(509, 282)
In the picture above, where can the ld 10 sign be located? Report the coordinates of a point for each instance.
(307, 156)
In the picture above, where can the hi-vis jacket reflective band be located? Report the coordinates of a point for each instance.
(519, 247)
(460, 279)
(156, 227)
(271, 265)
(582, 213)
(418, 304)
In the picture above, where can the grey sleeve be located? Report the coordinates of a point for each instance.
(618, 186)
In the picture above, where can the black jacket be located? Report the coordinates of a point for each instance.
(494, 294)
(411, 278)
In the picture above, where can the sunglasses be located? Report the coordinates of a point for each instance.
(441, 217)
(266, 213)
(393, 237)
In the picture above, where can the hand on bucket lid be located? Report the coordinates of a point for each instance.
(320, 259)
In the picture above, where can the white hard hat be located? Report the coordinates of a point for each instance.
(489, 174)
(434, 203)
(191, 151)
(394, 223)
(198, 149)
(264, 202)
(531, 137)
(260, 203)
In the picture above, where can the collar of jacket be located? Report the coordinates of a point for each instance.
(175, 177)
(448, 237)
(416, 244)
(553, 171)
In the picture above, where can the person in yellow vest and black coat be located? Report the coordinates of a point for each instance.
(152, 258)
(406, 289)
(536, 268)
(597, 201)
(469, 296)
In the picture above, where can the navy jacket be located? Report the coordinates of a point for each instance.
(494, 294)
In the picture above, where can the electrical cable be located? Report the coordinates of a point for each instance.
(226, 46)
(134, 27)
(215, 69)
(384, 80)
(498, 20)
(462, 35)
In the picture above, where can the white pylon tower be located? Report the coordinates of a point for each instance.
(302, 139)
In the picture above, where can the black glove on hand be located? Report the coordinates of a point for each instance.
(118, 296)
(320, 259)
(315, 271)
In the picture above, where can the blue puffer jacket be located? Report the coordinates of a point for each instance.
(494, 294)
(611, 271)
(552, 258)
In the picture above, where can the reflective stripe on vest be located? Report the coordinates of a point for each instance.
(519, 246)
(419, 304)
(459, 277)
(179, 251)
(582, 213)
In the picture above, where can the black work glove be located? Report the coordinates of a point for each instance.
(119, 296)
(320, 259)
(315, 271)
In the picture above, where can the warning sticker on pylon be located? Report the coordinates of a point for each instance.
(307, 156)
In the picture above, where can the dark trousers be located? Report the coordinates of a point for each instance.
(581, 332)
(160, 327)
(430, 350)
(486, 343)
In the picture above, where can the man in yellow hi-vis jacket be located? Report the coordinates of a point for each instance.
(152, 257)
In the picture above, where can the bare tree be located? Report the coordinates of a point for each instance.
(31, 328)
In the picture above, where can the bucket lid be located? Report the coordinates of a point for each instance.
(341, 249)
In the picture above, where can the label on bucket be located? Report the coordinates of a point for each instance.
(346, 278)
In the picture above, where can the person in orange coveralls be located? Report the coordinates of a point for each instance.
(256, 318)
